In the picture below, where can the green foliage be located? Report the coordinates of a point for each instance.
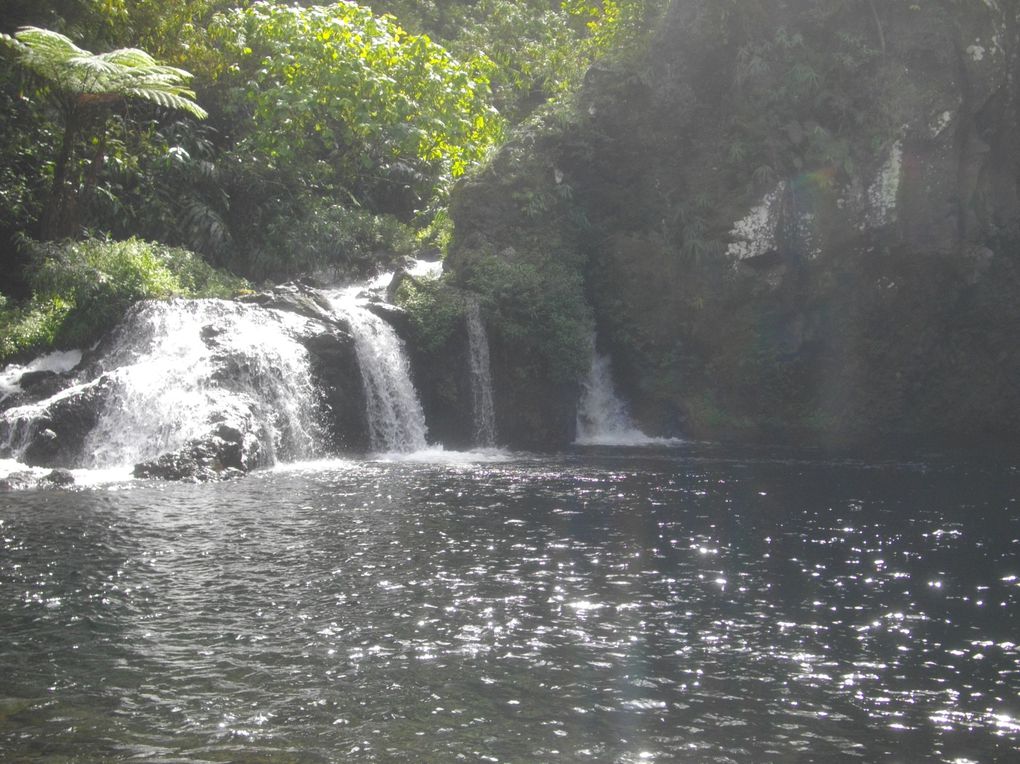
(27, 141)
(335, 239)
(614, 25)
(30, 327)
(81, 87)
(435, 308)
(532, 50)
(350, 95)
(80, 79)
(81, 289)
(328, 123)
(798, 94)
(541, 312)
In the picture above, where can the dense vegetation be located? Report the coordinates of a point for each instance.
(789, 218)
(794, 219)
(271, 140)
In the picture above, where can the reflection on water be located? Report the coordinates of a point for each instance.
(680, 606)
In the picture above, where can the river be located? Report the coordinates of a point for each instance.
(692, 604)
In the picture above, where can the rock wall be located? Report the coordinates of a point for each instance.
(800, 219)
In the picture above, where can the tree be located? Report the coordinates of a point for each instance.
(82, 87)
(351, 100)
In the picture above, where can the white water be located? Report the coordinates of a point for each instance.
(169, 385)
(420, 269)
(175, 369)
(83, 478)
(602, 417)
(396, 421)
(439, 455)
(58, 361)
(481, 379)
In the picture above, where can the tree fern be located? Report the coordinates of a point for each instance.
(82, 86)
(122, 73)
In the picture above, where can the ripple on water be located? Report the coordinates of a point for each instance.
(591, 607)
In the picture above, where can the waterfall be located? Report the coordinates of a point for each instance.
(396, 421)
(602, 417)
(59, 361)
(173, 371)
(481, 379)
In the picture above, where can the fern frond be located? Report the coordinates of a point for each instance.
(121, 73)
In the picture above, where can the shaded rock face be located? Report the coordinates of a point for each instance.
(520, 247)
(444, 387)
(535, 410)
(334, 363)
(53, 433)
(803, 220)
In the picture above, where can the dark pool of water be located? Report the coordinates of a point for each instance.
(680, 606)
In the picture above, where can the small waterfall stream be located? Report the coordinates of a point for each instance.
(481, 379)
(602, 417)
(396, 421)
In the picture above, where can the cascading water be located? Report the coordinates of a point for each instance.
(481, 379)
(602, 417)
(59, 361)
(396, 421)
(176, 369)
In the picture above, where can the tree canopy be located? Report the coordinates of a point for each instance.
(81, 86)
(332, 132)
(346, 96)
(79, 79)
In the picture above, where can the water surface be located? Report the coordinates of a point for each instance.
(688, 605)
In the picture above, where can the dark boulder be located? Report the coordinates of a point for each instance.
(60, 478)
(36, 386)
(229, 451)
(395, 316)
(55, 435)
(334, 363)
(24, 479)
(18, 481)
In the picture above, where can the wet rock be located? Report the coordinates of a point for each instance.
(60, 478)
(36, 386)
(35, 379)
(230, 451)
(294, 298)
(334, 362)
(395, 316)
(18, 481)
(54, 435)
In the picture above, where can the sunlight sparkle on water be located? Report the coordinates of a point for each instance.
(580, 604)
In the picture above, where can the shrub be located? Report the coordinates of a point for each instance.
(81, 289)
(436, 310)
(30, 327)
(542, 313)
(340, 241)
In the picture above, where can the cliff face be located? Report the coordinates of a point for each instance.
(794, 219)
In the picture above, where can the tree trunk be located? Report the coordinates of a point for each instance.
(58, 217)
